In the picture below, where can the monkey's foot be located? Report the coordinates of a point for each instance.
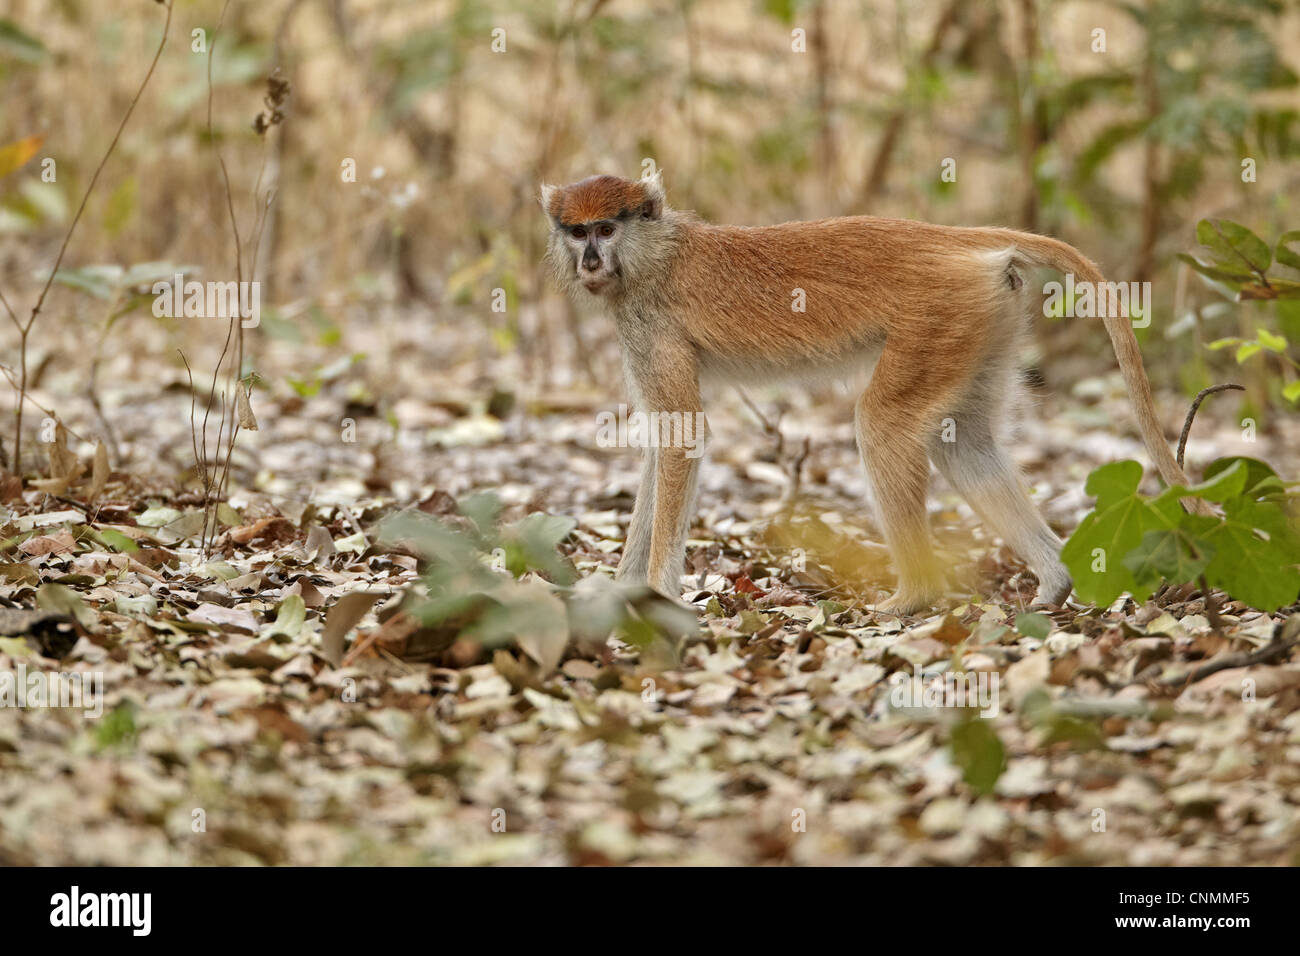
(911, 601)
(1052, 590)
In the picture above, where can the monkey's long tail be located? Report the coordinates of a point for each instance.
(1042, 250)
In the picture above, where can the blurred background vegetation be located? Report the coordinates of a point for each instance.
(1116, 126)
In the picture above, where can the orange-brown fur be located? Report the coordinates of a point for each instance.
(937, 309)
(598, 197)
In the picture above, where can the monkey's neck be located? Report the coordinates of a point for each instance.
(649, 258)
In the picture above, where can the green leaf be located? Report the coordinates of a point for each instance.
(58, 597)
(1246, 351)
(1292, 392)
(289, 617)
(638, 632)
(1109, 483)
(782, 10)
(482, 509)
(100, 281)
(115, 540)
(1234, 278)
(546, 531)
(1169, 554)
(19, 45)
(147, 273)
(158, 516)
(1066, 729)
(1234, 244)
(1259, 570)
(305, 388)
(531, 544)
(1288, 317)
(1224, 483)
(979, 753)
(117, 728)
(531, 614)
(1283, 252)
(1095, 552)
(1270, 341)
(429, 538)
(1256, 472)
(1034, 625)
(1224, 343)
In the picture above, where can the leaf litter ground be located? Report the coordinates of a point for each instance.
(257, 710)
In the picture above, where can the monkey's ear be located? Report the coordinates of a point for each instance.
(653, 187)
(548, 194)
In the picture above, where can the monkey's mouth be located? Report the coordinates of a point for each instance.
(595, 284)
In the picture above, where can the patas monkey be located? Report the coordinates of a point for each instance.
(937, 309)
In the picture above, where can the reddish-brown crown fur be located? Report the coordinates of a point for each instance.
(597, 197)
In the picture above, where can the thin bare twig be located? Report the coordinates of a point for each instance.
(209, 481)
(1274, 650)
(9, 374)
(1211, 607)
(216, 470)
(24, 329)
(194, 439)
(12, 316)
(770, 428)
(793, 467)
(791, 496)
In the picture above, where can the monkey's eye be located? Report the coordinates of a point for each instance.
(579, 232)
(606, 231)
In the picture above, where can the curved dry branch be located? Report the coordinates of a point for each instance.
(1191, 413)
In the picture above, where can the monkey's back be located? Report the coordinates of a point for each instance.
(852, 283)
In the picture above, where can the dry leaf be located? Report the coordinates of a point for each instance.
(99, 473)
(244, 409)
(55, 543)
(19, 153)
(341, 618)
(63, 463)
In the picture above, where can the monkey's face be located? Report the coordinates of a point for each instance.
(602, 233)
(593, 250)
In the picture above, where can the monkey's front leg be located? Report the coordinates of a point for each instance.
(663, 377)
(634, 566)
(675, 479)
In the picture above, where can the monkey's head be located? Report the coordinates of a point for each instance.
(605, 232)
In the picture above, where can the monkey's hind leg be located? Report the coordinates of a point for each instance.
(981, 472)
(891, 429)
